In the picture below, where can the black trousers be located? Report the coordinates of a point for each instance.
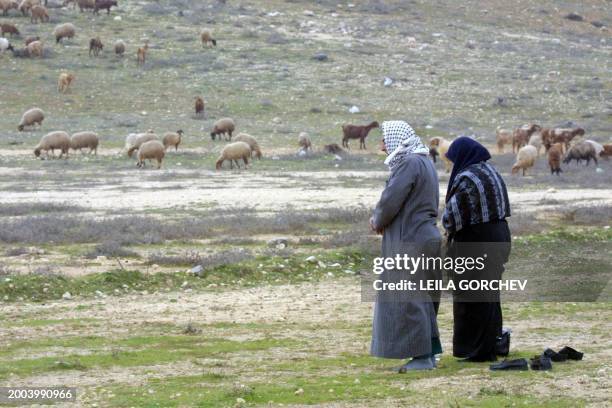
(477, 324)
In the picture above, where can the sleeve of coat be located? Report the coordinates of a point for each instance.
(395, 194)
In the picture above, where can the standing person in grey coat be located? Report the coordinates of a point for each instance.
(404, 323)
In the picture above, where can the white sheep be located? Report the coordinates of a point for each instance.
(5, 45)
(234, 152)
(31, 117)
(82, 140)
(52, 141)
(597, 146)
(525, 159)
(251, 141)
(153, 149)
(173, 139)
(536, 141)
(139, 140)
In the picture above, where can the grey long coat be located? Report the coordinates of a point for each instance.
(404, 323)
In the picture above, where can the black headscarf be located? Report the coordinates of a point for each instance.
(464, 152)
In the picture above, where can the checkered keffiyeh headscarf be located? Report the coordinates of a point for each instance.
(400, 140)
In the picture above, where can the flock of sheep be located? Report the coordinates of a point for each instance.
(560, 144)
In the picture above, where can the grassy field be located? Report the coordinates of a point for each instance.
(97, 288)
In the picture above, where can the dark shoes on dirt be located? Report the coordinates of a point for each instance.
(510, 365)
(540, 363)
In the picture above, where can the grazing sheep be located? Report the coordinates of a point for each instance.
(82, 140)
(6, 5)
(5, 45)
(35, 49)
(565, 136)
(39, 13)
(86, 4)
(52, 141)
(199, 106)
(66, 30)
(536, 141)
(119, 48)
(333, 148)
(607, 151)
(104, 4)
(223, 126)
(504, 137)
(64, 81)
(581, 151)
(206, 38)
(30, 40)
(173, 139)
(304, 142)
(525, 158)
(440, 147)
(95, 46)
(251, 141)
(357, 132)
(141, 54)
(153, 149)
(8, 28)
(555, 152)
(139, 140)
(234, 152)
(597, 146)
(521, 135)
(31, 117)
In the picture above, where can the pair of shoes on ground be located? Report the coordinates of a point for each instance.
(542, 362)
(419, 363)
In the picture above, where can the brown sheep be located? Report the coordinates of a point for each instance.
(223, 126)
(525, 158)
(504, 137)
(39, 13)
(104, 4)
(119, 47)
(357, 132)
(6, 5)
(199, 106)
(86, 4)
(206, 38)
(95, 46)
(35, 49)
(304, 142)
(52, 141)
(581, 151)
(153, 149)
(29, 40)
(64, 82)
(607, 151)
(173, 139)
(8, 28)
(234, 152)
(555, 152)
(565, 136)
(521, 135)
(141, 54)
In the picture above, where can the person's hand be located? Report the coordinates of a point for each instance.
(373, 227)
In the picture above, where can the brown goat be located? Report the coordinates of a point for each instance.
(199, 106)
(357, 132)
(104, 4)
(64, 82)
(95, 46)
(565, 136)
(555, 152)
(521, 135)
(607, 151)
(141, 54)
(39, 13)
(206, 38)
(8, 28)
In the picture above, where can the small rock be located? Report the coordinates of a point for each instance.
(275, 158)
(354, 109)
(302, 153)
(337, 157)
(574, 17)
(99, 293)
(308, 13)
(274, 14)
(551, 190)
(388, 82)
(184, 284)
(320, 56)
(277, 120)
(471, 44)
(144, 113)
(66, 296)
(197, 270)
(311, 259)
(599, 170)
(275, 242)
(597, 24)
(117, 18)
(321, 264)
(299, 392)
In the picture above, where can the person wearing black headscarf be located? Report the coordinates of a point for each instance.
(475, 215)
